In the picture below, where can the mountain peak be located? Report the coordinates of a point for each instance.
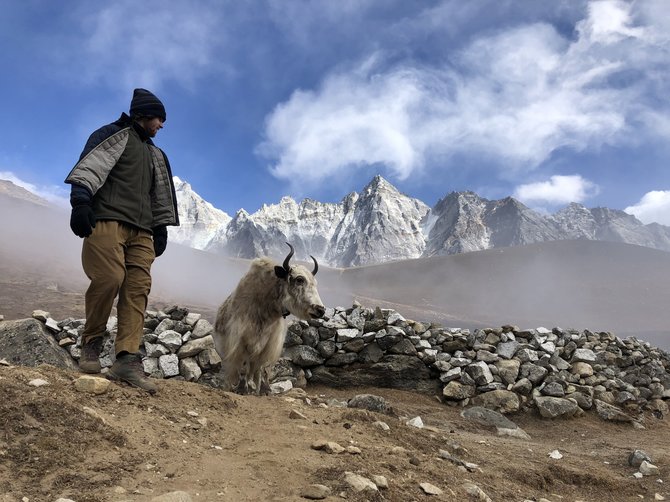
(379, 184)
(13, 190)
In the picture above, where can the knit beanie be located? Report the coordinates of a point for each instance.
(146, 104)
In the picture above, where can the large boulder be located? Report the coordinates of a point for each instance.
(27, 342)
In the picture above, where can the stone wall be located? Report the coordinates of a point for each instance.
(561, 372)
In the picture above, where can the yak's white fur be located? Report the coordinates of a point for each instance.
(250, 328)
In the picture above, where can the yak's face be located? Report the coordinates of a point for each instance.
(301, 297)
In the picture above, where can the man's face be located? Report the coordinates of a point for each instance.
(152, 126)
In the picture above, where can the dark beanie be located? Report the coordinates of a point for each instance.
(145, 104)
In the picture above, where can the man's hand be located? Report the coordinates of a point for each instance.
(160, 240)
(82, 220)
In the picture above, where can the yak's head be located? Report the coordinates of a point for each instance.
(301, 297)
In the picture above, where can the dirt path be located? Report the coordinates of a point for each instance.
(216, 446)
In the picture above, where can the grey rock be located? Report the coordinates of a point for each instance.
(355, 345)
(556, 407)
(342, 359)
(369, 402)
(480, 373)
(371, 353)
(584, 356)
(195, 345)
(304, 356)
(403, 347)
(553, 389)
(209, 359)
(504, 401)
(492, 419)
(189, 369)
(455, 391)
(636, 458)
(169, 365)
(507, 350)
(611, 413)
(326, 348)
(508, 370)
(171, 339)
(346, 334)
(28, 342)
(202, 329)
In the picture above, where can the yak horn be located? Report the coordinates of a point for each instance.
(288, 258)
(316, 265)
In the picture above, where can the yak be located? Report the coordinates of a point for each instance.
(250, 326)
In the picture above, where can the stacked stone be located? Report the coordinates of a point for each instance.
(175, 343)
(560, 371)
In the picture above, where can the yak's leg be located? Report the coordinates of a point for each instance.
(264, 381)
(243, 383)
(234, 376)
(255, 371)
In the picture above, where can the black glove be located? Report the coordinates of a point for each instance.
(82, 220)
(160, 240)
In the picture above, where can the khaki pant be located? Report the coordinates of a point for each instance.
(117, 259)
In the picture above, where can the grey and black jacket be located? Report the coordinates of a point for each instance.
(143, 198)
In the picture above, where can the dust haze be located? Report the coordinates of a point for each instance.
(599, 286)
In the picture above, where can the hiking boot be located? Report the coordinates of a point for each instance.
(89, 362)
(129, 369)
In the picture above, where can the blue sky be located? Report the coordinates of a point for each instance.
(549, 101)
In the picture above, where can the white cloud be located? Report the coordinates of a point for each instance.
(557, 190)
(131, 44)
(510, 99)
(54, 194)
(361, 122)
(653, 207)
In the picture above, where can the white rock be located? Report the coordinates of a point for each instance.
(394, 317)
(430, 489)
(556, 455)
(381, 425)
(169, 365)
(192, 318)
(202, 329)
(346, 334)
(359, 483)
(416, 422)
(648, 469)
(281, 387)
(381, 482)
(38, 382)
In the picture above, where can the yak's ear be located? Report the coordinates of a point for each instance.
(281, 272)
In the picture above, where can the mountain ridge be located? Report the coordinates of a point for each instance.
(380, 224)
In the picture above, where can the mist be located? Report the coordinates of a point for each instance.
(599, 286)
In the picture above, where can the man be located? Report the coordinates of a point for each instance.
(122, 199)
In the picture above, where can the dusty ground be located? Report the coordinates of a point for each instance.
(127, 445)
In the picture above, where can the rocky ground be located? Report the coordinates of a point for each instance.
(60, 441)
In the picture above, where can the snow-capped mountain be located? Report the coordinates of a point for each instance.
(199, 220)
(308, 226)
(380, 224)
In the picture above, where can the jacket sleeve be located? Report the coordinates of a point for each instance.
(100, 155)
